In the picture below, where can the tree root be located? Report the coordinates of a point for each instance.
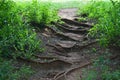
(74, 30)
(87, 44)
(70, 36)
(48, 62)
(63, 49)
(57, 76)
(45, 57)
(58, 49)
(76, 23)
(65, 73)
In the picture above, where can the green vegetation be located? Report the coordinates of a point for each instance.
(102, 70)
(9, 72)
(68, 4)
(108, 27)
(40, 13)
(107, 30)
(17, 37)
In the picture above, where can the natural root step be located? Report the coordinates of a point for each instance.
(63, 75)
(72, 29)
(72, 36)
(54, 61)
(66, 44)
(71, 22)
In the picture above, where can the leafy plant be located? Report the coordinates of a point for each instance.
(8, 72)
(41, 13)
(16, 37)
(101, 70)
(108, 75)
(107, 29)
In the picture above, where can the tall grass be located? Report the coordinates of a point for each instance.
(108, 27)
(16, 38)
(107, 30)
(37, 12)
(9, 72)
(101, 71)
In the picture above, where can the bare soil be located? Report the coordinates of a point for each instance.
(68, 49)
(69, 13)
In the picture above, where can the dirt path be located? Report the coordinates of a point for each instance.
(68, 49)
(68, 13)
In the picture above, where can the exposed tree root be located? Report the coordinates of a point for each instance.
(86, 44)
(76, 23)
(61, 50)
(59, 75)
(70, 70)
(56, 47)
(63, 47)
(65, 73)
(71, 36)
(75, 37)
(74, 30)
(66, 44)
(45, 57)
(48, 62)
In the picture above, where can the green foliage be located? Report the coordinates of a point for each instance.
(89, 75)
(108, 75)
(8, 72)
(101, 70)
(108, 27)
(40, 13)
(16, 38)
(82, 19)
(96, 9)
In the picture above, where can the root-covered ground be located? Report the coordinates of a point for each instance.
(68, 49)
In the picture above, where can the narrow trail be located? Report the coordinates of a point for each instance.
(68, 49)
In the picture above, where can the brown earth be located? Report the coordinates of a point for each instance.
(68, 49)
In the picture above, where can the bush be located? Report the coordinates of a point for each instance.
(96, 9)
(8, 72)
(102, 71)
(108, 27)
(16, 38)
(41, 13)
(108, 75)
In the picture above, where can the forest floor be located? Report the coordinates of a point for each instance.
(68, 49)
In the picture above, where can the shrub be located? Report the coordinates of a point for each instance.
(108, 75)
(96, 9)
(107, 29)
(102, 71)
(16, 38)
(8, 72)
(41, 13)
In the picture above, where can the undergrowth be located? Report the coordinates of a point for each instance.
(107, 30)
(9, 72)
(40, 14)
(102, 70)
(108, 27)
(16, 38)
